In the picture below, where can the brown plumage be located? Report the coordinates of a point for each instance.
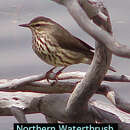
(55, 45)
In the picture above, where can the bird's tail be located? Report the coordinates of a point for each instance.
(112, 69)
(89, 60)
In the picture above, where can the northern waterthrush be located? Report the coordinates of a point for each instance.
(56, 46)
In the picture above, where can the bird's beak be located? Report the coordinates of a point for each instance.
(24, 25)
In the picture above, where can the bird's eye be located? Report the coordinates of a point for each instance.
(37, 25)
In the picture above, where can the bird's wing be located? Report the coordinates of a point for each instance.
(67, 41)
(85, 44)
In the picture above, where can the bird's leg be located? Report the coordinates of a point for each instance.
(59, 72)
(48, 73)
(56, 76)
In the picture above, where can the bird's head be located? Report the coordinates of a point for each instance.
(40, 24)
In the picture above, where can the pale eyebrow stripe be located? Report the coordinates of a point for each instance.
(46, 23)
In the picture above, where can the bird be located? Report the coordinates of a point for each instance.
(56, 46)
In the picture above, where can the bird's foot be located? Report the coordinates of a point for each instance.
(57, 74)
(47, 76)
(55, 77)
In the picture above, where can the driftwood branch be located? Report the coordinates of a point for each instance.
(8, 84)
(77, 106)
(79, 14)
(67, 87)
(83, 92)
(47, 104)
(101, 61)
(63, 76)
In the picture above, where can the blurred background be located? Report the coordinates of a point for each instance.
(16, 55)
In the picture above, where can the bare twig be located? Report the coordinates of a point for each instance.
(16, 82)
(5, 84)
